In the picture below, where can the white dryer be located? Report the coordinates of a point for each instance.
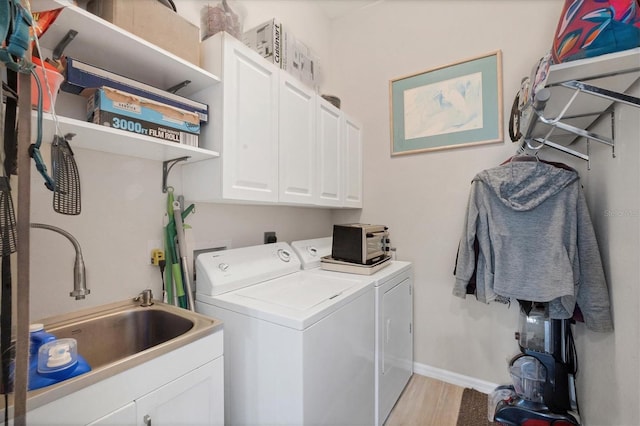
(299, 347)
(394, 321)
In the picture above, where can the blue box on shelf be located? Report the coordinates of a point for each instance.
(125, 111)
(82, 79)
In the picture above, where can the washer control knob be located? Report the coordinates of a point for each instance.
(223, 267)
(284, 255)
(312, 251)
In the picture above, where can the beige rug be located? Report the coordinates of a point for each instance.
(473, 409)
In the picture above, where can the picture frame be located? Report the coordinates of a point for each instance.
(451, 106)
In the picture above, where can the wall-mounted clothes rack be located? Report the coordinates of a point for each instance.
(576, 94)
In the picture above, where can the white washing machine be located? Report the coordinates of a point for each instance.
(299, 347)
(394, 321)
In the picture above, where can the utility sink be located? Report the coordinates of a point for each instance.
(115, 337)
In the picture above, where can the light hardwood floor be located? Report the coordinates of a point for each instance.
(426, 402)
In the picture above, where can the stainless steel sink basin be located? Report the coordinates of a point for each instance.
(113, 338)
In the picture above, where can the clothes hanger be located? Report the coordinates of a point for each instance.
(522, 155)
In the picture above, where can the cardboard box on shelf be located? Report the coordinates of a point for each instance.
(267, 40)
(83, 79)
(288, 49)
(307, 69)
(120, 110)
(279, 46)
(154, 22)
(299, 61)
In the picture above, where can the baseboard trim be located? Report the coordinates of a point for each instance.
(454, 378)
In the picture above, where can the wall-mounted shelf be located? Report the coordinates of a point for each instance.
(105, 139)
(102, 44)
(577, 93)
(105, 45)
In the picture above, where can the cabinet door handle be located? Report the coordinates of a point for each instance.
(147, 420)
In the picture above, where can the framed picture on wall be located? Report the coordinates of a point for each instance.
(451, 106)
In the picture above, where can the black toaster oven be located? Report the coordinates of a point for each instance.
(360, 243)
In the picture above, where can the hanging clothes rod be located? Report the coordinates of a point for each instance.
(603, 93)
(537, 115)
(562, 148)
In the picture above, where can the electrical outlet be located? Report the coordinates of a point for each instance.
(157, 255)
(270, 237)
(151, 246)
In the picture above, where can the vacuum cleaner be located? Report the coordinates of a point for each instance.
(543, 390)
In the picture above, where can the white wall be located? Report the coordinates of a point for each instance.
(122, 211)
(423, 197)
(610, 364)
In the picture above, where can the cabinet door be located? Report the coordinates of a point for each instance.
(250, 123)
(329, 154)
(352, 163)
(124, 416)
(196, 398)
(297, 142)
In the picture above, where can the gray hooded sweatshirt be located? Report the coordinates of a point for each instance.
(536, 242)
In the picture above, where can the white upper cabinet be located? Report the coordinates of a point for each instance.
(249, 126)
(329, 153)
(338, 157)
(297, 168)
(352, 163)
(279, 142)
(244, 130)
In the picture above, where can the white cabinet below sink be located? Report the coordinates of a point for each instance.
(183, 386)
(193, 399)
(122, 416)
